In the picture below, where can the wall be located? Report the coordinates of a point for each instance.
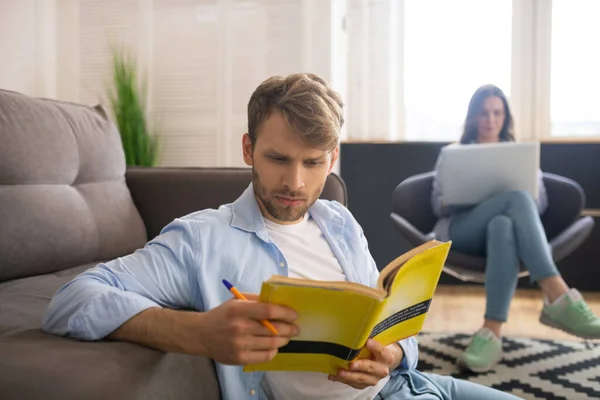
(372, 171)
(28, 46)
(202, 59)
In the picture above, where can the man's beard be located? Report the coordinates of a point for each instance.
(280, 211)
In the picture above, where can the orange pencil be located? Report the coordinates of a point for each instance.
(240, 296)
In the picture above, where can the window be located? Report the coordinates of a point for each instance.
(450, 49)
(575, 68)
(406, 68)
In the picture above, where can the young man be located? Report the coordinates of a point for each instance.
(277, 226)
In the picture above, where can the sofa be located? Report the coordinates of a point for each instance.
(67, 202)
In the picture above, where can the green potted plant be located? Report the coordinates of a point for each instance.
(127, 96)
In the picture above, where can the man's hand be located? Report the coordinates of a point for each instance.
(368, 372)
(232, 333)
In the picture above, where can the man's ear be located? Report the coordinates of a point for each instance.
(247, 149)
(334, 157)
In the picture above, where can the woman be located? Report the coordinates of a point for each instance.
(507, 230)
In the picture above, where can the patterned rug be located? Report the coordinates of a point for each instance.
(531, 368)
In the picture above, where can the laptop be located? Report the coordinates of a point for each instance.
(472, 173)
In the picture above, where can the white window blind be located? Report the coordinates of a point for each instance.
(103, 24)
(185, 74)
(262, 38)
(202, 60)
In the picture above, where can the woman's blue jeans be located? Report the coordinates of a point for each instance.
(507, 230)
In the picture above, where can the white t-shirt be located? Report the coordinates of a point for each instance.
(309, 257)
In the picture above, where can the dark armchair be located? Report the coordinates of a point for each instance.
(566, 230)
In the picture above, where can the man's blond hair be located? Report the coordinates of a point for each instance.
(310, 107)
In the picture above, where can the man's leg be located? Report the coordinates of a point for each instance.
(421, 386)
(452, 388)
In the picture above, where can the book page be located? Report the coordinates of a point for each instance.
(388, 273)
(410, 295)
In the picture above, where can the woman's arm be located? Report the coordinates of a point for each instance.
(437, 192)
(542, 200)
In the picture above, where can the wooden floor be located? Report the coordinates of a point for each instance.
(460, 309)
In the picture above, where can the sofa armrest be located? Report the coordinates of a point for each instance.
(163, 194)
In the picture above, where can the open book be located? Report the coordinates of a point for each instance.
(337, 318)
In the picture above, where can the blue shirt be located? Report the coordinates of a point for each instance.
(183, 268)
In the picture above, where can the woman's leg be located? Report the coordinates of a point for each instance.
(498, 243)
(531, 243)
(501, 273)
(489, 229)
(566, 309)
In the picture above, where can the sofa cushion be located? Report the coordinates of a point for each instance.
(63, 197)
(36, 365)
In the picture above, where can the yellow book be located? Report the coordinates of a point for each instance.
(337, 318)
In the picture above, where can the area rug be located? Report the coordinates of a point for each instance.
(530, 369)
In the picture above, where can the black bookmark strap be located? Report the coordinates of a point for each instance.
(308, 347)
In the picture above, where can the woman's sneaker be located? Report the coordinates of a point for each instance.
(483, 353)
(571, 314)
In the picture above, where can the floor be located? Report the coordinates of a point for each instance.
(461, 309)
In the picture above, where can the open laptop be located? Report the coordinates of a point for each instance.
(472, 173)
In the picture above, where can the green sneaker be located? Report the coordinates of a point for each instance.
(571, 314)
(483, 353)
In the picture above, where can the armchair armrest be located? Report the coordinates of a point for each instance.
(566, 199)
(408, 231)
(571, 238)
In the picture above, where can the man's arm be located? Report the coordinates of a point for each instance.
(161, 329)
(397, 354)
(229, 334)
(132, 299)
(101, 299)
(368, 372)
(410, 350)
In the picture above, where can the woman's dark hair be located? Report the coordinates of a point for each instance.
(471, 126)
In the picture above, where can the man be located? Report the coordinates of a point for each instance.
(277, 226)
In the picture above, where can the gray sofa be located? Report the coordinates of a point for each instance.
(67, 201)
